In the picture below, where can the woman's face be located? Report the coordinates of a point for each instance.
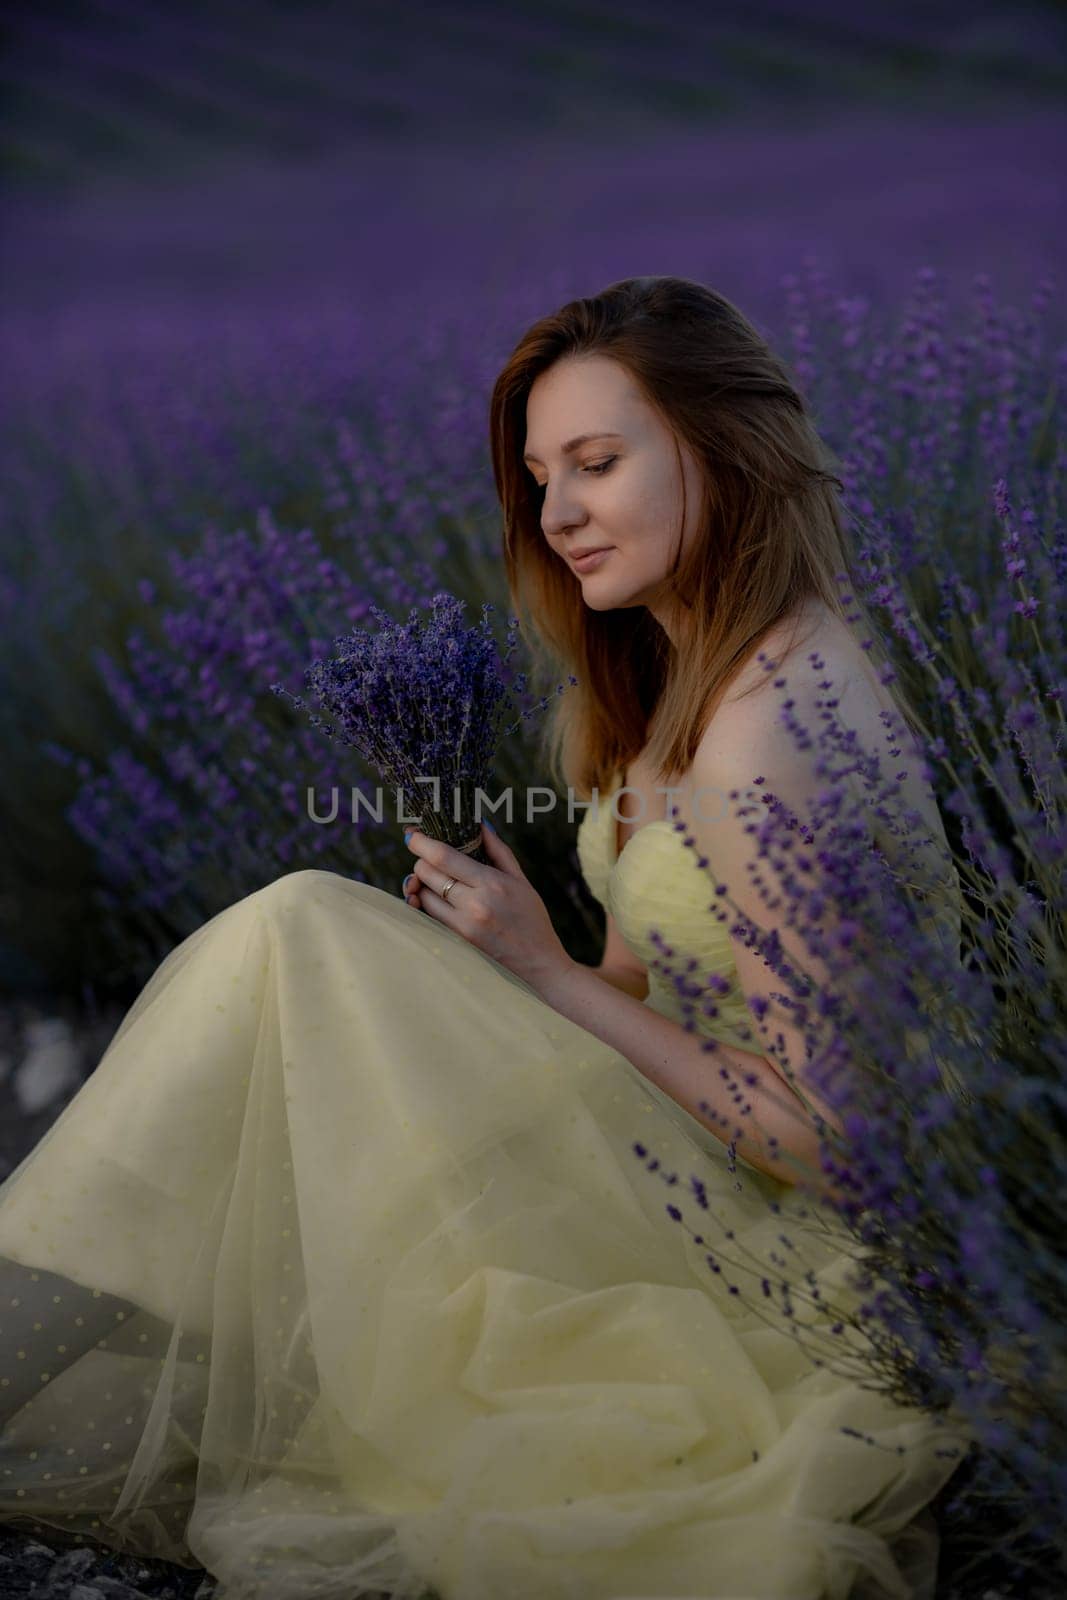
(620, 488)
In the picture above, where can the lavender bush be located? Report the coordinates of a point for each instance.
(878, 381)
(215, 742)
(947, 1064)
(317, 370)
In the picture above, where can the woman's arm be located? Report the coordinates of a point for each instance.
(673, 1059)
(621, 978)
(618, 965)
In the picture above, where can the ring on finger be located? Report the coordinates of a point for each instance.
(445, 890)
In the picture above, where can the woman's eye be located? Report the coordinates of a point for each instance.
(598, 468)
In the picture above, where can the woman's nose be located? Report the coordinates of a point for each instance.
(559, 513)
(554, 524)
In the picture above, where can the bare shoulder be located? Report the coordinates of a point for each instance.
(750, 710)
(745, 738)
(789, 644)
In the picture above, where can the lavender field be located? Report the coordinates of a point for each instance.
(261, 267)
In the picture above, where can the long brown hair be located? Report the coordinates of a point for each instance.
(773, 531)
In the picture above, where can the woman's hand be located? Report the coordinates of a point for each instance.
(495, 907)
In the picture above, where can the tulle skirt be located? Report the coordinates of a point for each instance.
(341, 1276)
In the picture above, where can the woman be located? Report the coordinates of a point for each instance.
(341, 1273)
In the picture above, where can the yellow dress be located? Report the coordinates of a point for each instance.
(340, 1276)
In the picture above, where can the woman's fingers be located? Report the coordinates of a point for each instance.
(409, 887)
(446, 861)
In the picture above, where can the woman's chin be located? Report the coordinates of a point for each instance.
(601, 601)
(609, 597)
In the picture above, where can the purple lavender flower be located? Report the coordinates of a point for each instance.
(422, 702)
(936, 1036)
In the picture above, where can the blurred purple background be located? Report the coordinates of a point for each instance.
(317, 157)
(245, 243)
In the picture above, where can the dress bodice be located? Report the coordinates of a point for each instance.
(656, 884)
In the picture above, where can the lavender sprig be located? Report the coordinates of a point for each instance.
(422, 701)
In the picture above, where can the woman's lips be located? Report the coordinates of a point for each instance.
(588, 562)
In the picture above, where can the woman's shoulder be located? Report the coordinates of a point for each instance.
(748, 714)
(813, 626)
(745, 725)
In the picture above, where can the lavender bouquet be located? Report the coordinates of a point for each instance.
(422, 702)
